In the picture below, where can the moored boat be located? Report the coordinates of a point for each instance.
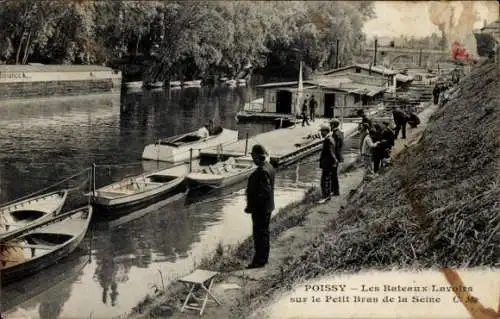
(42, 245)
(24, 213)
(136, 190)
(242, 82)
(175, 84)
(195, 83)
(177, 148)
(222, 174)
(155, 85)
(134, 84)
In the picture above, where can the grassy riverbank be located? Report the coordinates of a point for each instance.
(437, 206)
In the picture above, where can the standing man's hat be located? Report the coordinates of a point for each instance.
(259, 150)
(335, 123)
(324, 127)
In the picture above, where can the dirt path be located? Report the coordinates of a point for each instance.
(231, 290)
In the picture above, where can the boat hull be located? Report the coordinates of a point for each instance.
(175, 154)
(32, 266)
(50, 211)
(194, 181)
(125, 204)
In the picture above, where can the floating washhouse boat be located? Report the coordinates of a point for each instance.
(177, 148)
(222, 174)
(27, 252)
(24, 213)
(133, 191)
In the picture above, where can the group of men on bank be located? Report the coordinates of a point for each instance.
(376, 146)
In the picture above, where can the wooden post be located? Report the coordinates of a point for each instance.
(420, 57)
(190, 160)
(337, 56)
(246, 144)
(93, 179)
(375, 53)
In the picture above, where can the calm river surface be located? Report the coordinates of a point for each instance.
(120, 261)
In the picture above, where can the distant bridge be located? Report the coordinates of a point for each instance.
(412, 57)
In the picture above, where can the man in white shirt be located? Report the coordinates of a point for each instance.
(367, 151)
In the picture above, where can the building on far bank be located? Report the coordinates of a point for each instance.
(38, 80)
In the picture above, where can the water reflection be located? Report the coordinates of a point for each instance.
(128, 252)
(50, 288)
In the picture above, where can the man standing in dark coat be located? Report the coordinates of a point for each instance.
(260, 204)
(435, 93)
(400, 119)
(328, 163)
(338, 137)
(312, 108)
(304, 114)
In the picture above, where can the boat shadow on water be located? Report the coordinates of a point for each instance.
(50, 288)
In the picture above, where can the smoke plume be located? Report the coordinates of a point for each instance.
(455, 20)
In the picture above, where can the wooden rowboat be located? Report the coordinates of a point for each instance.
(26, 212)
(28, 251)
(133, 191)
(177, 148)
(222, 174)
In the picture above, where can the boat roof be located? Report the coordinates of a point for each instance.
(375, 69)
(36, 67)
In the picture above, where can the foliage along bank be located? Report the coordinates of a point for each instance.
(183, 39)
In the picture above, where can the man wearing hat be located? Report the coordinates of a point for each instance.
(260, 204)
(338, 137)
(328, 163)
(400, 119)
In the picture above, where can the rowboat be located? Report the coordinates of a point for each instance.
(134, 85)
(155, 85)
(177, 148)
(195, 83)
(26, 212)
(222, 174)
(175, 83)
(140, 189)
(43, 244)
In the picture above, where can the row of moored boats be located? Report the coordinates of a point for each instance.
(182, 84)
(35, 233)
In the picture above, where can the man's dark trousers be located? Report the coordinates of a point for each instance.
(326, 182)
(402, 127)
(335, 181)
(260, 222)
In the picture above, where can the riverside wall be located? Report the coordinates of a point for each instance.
(27, 82)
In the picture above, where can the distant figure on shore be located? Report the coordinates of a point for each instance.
(364, 119)
(400, 120)
(338, 138)
(260, 204)
(312, 108)
(413, 120)
(328, 163)
(367, 147)
(435, 93)
(385, 138)
(304, 114)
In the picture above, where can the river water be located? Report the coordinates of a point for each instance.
(120, 261)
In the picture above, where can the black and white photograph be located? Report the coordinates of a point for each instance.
(249, 159)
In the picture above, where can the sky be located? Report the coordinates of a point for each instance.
(395, 18)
